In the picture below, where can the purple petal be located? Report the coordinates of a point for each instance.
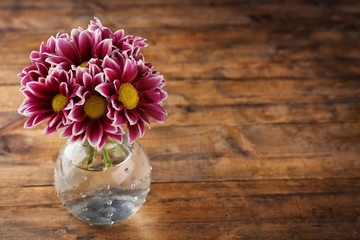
(54, 120)
(155, 111)
(111, 74)
(97, 79)
(103, 49)
(87, 80)
(67, 132)
(40, 90)
(116, 137)
(118, 35)
(63, 89)
(78, 138)
(107, 127)
(141, 127)
(77, 114)
(131, 116)
(50, 130)
(41, 118)
(119, 119)
(94, 132)
(111, 63)
(29, 123)
(143, 116)
(105, 89)
(103, 140)
(65, 48)
(151, 97)
(85, 45)
(117, 105)
(130, 71)
(133, 133)
(148, 83)
(43, 70)
(79, 127)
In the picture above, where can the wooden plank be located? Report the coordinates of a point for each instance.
(199, 153)
(249, 210)
(21, 17)
(277, 5)
(149, 17)
(242, 140)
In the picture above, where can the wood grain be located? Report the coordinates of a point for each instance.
(217, 210)
(262, 140)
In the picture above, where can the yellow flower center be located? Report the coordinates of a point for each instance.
(83, 64)
(128, 95)
(59, 102)
(95, 106)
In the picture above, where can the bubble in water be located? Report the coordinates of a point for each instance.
(112, 222)
(109, 202)
(62, 193)
(111, 214)
(148, 190)
(150, 168)
(84, 178)
(84, 208)
(126, 169)
(147, 177)
(132, 185)
(83, 195)
(64, 204)
(107, 186)
(135, 198)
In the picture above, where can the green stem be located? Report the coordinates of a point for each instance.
(117, 146)
(91, 155)
(106, 157)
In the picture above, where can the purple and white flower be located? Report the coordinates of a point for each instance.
(90, 83)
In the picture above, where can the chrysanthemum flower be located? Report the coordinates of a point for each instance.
(89, 114)
(131, 45)
(90, 83)
(39, 68)
(135, 93)
(77, 50)
(50, 98)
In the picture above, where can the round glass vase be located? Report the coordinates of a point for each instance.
(95, 191)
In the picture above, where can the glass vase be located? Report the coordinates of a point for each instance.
(95, 191)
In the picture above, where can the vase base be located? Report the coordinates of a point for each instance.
(109, 208)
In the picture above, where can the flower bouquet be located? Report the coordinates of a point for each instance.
(95, 87)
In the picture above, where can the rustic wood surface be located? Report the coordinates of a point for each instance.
(262, 140)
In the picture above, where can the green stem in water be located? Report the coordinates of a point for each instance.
(106, 157)
(117, 146)
(91, 155)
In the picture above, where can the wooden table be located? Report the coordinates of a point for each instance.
(262, 140)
